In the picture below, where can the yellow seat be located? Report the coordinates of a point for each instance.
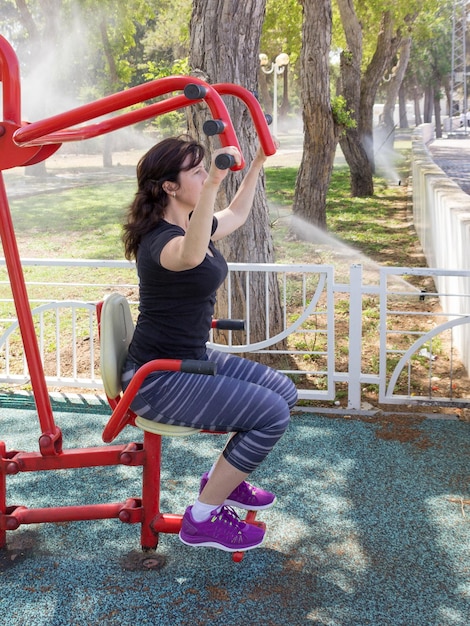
(116, 330)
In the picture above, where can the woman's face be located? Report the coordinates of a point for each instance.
(190, 184)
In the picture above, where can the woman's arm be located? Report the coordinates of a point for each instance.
(236, 214)
(188, 251)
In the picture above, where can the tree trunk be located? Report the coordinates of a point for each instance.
(446, 85)
(215, 25)
(264, 96)
(350, 68)
(437, 114)
(403, 114)
(417, 105)
(428, 104)
(357, 143)
(320, 130)
(395, 84)
(387, 130)
(360, 167)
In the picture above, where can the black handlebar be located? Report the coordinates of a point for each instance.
(229, 324)
(191, 366)
(192, 91)
(213, 127)
(224, 161)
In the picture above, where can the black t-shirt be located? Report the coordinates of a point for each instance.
(176, 308)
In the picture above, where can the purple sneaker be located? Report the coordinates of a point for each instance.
(245, 496)
(223, 530)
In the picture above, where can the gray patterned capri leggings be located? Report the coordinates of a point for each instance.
(251, 400)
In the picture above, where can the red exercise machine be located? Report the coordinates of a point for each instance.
(23, 144)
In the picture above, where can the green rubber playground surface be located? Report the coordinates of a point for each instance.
(371, 527)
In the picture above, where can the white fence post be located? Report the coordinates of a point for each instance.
(355, 337)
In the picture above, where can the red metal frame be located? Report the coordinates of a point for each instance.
(23, 144)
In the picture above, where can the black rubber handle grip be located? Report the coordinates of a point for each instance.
(269, 118)
(193, 91)
(228, 324)
(224, 161)
(191, 366)
(213, 127)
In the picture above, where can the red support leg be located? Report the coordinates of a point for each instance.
(25, 320)
(151, 489)
(3, 494)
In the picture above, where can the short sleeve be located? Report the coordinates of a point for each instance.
(161, 237)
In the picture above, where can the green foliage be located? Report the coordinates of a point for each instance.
(370, 13)
(282, 30)
(174, 122)
(430, 61)
(89, 58)
(168, 37)
(180, 67)
(170, 124)
(341, 114)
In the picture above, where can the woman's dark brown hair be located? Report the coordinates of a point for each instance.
(161, 163)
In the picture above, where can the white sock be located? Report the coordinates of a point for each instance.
(201, 512)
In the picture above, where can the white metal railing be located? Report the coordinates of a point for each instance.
(305, 344)
(441, 217)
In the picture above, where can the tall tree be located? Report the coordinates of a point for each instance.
(359, 88)
(429, 69)
(225, 36)
(393, 88)
(321, 132)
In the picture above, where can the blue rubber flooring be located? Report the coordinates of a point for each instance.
(371, 527)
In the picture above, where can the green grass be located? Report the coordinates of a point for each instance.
(377, 227)
(83, 222)
(280, 185)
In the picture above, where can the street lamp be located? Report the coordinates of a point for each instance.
(277, 68)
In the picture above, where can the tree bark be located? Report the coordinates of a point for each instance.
(320, 130)
(263, 94)
(224, 46)
(352, 141)
(386, 132)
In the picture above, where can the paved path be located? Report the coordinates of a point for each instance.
(452, 155)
